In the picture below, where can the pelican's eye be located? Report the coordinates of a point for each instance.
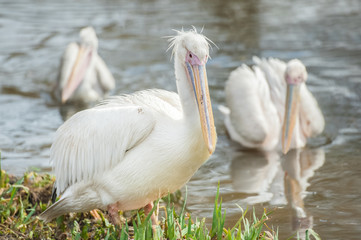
(192, 59)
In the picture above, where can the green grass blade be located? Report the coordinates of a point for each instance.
(310, 232)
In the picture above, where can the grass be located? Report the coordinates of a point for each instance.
(23, 199)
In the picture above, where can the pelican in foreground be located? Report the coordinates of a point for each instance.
(268, 101)
(83, 76)
(131, 150)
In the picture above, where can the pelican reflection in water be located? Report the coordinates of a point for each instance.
(252, 173)
(299, 166)
(267, 178)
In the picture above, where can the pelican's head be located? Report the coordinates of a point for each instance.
(191, 50)
(295, 72)
(295, 75)
(87, 49)
(88, 37)
(188, 44)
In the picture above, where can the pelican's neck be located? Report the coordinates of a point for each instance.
(186, 94)
(298, 137)
(204, 131)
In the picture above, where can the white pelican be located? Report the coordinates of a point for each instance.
(83, 76)
(262, 99)
(133, 149)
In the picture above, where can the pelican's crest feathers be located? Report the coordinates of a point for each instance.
(174, 40)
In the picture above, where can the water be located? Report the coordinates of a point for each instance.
(317, 187)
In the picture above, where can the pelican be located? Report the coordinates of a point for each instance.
(269, 100)
(130, 150)
(83, 76)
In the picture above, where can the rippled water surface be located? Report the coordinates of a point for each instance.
(318, 186)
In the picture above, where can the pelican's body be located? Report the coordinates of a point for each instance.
(133, 149)
(83, 75)
(256, 100)
(150, 124)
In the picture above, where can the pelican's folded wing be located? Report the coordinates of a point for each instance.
(247, 94)
(104, 76)
(97, 139)
(311, 117)
(274, 70)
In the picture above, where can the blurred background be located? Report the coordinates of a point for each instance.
(318, 186)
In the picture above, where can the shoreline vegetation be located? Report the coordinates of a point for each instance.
(22, 199)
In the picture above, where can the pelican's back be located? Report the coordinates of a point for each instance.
(274, 70)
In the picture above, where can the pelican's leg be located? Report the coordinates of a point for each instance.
(95, 214)
(113, 212)
(153, 217)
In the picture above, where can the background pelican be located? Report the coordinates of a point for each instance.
(131, 150)
(83, 76)
(263, 98)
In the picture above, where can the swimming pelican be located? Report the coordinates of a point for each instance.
(262, 99)
(130, 150)
(83, 76)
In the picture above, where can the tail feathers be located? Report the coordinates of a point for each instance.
(57, 209)
(53, 194)
(257, 60)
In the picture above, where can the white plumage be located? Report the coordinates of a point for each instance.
(256, 101)
(83, 75)
(133, 149)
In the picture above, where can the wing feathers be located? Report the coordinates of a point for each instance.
(274, 70)
(251, 94)
(105, 77)
(242, 98)
(95, 140)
